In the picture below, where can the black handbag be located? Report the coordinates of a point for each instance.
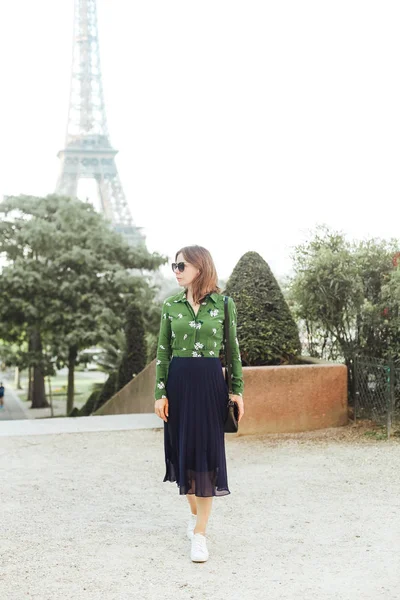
(231, 423)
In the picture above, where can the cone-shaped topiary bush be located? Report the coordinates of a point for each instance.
(267, 332)
(132, 362)
(134, 359)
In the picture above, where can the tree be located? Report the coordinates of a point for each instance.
(107, 391)
(267, 333)
(26, 298)
(69, 271)
(123, 357)
(112, 351)
(338, 293)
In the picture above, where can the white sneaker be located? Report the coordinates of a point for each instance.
(199, 552)
(191, 525)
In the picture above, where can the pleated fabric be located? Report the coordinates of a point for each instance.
(194, 438)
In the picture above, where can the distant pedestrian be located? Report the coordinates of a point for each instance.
(1, 395)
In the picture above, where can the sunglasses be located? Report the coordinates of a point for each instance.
(180, 266)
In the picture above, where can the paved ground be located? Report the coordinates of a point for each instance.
(79, 424)
(311, 516)
(13, 406)
(59, 402)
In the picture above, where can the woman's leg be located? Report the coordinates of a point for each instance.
(203, 513)
(192, 502)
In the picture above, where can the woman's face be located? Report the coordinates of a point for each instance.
(189, 273)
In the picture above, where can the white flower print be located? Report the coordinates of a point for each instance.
(183, 348)
(198, 346)
(198, 326)
(196, 354)
(215, 344)
(170, 318)
(192, 324)
(214, 313)
(162, 347)
(161, 385)
(168, 304)
(159, 362)
(219, 321)
(180, 316)
(204, 303)
(164, 315)
(172, 333)
(212, 352)
(163, 396)
(185, 336)
(214, 331)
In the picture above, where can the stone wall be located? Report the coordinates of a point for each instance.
(277, 399)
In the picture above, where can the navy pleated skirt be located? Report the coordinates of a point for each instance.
(194, 438)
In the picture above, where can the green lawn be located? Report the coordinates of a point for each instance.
(83, 386)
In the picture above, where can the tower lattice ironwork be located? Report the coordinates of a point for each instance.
(88, 152)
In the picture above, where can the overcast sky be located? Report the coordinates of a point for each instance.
(239, 125)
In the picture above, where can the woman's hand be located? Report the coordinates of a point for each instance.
(239, 400)
(161, 408)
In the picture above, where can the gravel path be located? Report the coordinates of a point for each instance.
(310, 516)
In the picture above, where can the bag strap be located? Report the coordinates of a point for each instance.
(228, 357)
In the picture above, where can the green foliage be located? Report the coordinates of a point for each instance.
(66, 273)
(124, 352)
(113, 350)
(123, 358)
(150, 298)
(151, 346)
(108, 390)
(134, 358)
(87, 409)
(13, 354)
(343, 294)
(267, 333)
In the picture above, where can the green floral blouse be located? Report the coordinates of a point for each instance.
(183, 333)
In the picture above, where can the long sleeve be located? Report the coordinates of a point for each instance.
(163, 353)
(237, 371)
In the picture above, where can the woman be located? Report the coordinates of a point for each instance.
(191, 393)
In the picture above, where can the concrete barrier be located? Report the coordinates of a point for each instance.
(292, 398)
(136, 397)
(278, 399)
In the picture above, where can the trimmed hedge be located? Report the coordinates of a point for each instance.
(267, 332)
(134, 359)
(87, 409)
(108, 390)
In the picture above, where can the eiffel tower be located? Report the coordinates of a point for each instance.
(88, 152)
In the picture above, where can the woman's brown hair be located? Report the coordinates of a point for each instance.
(206, 281)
